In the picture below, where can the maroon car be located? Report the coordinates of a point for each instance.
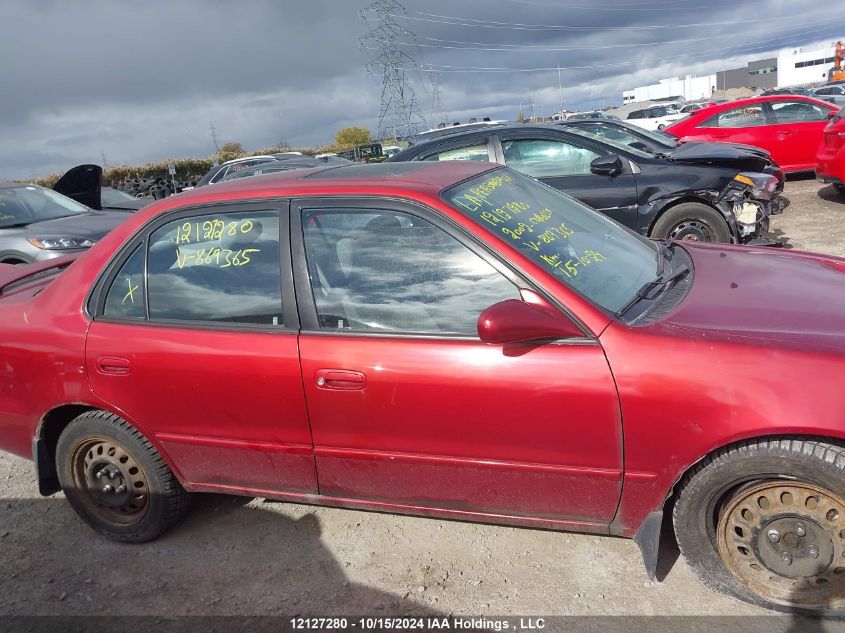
(452, 340)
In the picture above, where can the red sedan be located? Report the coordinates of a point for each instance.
(453, 340)
(830, 165)
(789, 127)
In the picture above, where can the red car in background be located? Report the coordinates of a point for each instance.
(454, 340)
(789, 127)
(831, 156)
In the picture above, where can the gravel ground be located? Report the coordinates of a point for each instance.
(248, 556)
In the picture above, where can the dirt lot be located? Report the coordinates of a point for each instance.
(241, 556)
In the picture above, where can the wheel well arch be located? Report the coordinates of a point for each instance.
(13, 261)
(651, 532)
(47, 437)
(674, 202)
(677, 484)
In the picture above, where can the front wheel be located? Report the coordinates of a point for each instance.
(115, 480)
(692, 221)
(765, 522)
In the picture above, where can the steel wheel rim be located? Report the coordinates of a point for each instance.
(785, 541)
(110, 482)
(691, 230)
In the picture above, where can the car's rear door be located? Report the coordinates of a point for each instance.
(409, 408)
(194, 340)
(563, 162)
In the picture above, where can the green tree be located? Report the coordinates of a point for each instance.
(228, 151)
(351, 136)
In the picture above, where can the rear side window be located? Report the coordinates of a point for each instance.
(798, 112)
(125, 298)
(472, 152)
(745, 116)
(222, 267)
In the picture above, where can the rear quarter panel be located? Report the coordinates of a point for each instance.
(42, 354)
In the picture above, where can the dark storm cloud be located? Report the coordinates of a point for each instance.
(142, 81)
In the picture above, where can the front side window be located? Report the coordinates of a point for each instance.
(471, 152)
(385, 271)
(745, 116)
(798, 112)
(547, 158)
(587, 251)
(222, 267)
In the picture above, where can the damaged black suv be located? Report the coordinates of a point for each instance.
(712, 192)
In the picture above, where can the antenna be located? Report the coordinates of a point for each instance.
(399, 112)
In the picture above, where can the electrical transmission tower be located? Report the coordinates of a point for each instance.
(399, 113)
(438, 112)
(214, 137)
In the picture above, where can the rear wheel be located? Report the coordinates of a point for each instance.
(765, 522)
(115, 480)
(692, 221)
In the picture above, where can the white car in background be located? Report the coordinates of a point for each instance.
(655, 117)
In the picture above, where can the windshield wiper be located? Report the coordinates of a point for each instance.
(647, 291)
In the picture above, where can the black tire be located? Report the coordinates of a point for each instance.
(840, 189)
(692, 220)
(99, 450)
(702, 515)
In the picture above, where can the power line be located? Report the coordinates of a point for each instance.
(399, 112)
(490, 46)
(763, 45)
(626, 7)
(517, 26)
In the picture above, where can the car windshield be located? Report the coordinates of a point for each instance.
(598, 258)
(29, 203)
(658, 137)
(110, 196)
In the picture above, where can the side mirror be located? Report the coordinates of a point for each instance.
(609, 165)
(639, 145)
(515, 321)
(831, 114)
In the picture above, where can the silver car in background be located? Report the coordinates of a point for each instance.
(37, 224)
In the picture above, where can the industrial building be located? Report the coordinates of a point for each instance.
(792, 67)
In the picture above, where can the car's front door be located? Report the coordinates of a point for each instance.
(564, 163)
(194, 340)
(409, 408)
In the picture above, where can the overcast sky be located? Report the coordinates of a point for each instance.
(143, 80)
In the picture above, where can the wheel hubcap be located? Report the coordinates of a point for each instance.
(786, 542)
(691, 230)
(113, 485)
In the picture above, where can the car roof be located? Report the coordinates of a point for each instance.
(397, 179)
(494, 129)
